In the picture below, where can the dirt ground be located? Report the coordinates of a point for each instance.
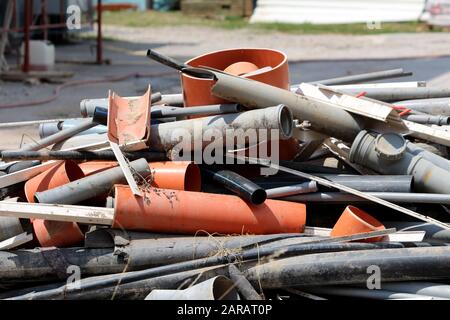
(312, 57)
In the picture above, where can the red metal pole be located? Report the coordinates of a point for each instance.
(99, 33)
(44, 19)
(27, 21)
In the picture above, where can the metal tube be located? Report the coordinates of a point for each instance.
(62, 135)
(428, 119)
(99, 33)
(91, 186)
(306, 187)
(397, 197)
(238, 184)
(388, 154)
(80, 155)
(164, 137)
(365, 77)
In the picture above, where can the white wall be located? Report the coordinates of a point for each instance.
(337, 11)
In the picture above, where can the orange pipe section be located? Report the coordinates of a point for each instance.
(184, 212)
(241, 68)
(197, 92)
(355, 221)
(177, 175)
(61, 174)
(57, 234)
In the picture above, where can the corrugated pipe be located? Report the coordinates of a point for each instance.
(387, 153)
(91, 186)
(217, 288)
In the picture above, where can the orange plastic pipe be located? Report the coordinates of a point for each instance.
(57, 234)
(60, 174)
(177, 175)
(355, 221)
(197, 92)
(184, 212)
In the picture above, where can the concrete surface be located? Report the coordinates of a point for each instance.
(311, 58)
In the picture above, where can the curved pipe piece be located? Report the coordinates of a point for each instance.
(238, 184)
(217, 288)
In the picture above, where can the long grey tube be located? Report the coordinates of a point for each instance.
(406, 264)
(379, 294)
(436, 106)
(87, 106)
(366, 183)
(166, 112)
(421, 288)
(428, 119)
(396, 94)
(306, 187)
(164, 137)
(364, 77)
(323, 117)
(388, 154)
(60, 136)
(91, 186)
(396, 197)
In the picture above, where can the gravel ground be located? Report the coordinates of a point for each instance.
(311, 58)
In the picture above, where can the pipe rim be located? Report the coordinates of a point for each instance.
(286, 122)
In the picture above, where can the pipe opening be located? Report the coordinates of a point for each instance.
(365, 218)
(223, 289)
(192, 178)
(286, 122)
(259, 196)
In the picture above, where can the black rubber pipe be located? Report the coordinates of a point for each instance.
(241, 186)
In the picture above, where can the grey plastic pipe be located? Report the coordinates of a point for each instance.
(430, 156)
(428, 119)
(323, 117)
(421, 288)
(60, 136)
(364, 77)
(217, 288)
(379, 294)
(91, 186)
(306, 187)
(436, 106)
(396, 94)
(87, 106)
(50, 128)
(397, 197)
(387, 153)
(164, 137)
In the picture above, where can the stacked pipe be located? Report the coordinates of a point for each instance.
(319, 195)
